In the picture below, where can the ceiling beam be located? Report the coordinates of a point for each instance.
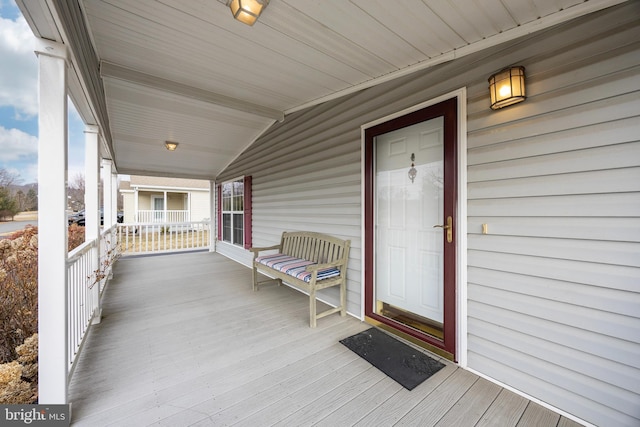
(109, 70)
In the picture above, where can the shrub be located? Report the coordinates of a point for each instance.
(19, 379)
(76, 237)
(18, 290)
(19, 313)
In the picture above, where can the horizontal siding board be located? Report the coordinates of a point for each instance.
(613, 206)
(608, 349)
(593, 159)
(626, 180)
(587, 273)
(600, 322)
(543, 144)
(580, 364)
(583, 228)
(602, 252)
(603, 110)
(599, 298)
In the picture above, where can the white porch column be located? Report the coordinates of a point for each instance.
(164, 214)
(136, 215)
(213, 208)
(114, 195)
(53, 357)
(189, 207)
(91, 207)
(92, 183)
(107, 193)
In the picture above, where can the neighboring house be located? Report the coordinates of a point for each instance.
(158, 199)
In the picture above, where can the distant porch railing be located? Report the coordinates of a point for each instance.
(88, 268)
(153, 237)
(153, 216)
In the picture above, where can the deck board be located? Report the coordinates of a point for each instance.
(184, 341)
(505, 410)
(470, 408)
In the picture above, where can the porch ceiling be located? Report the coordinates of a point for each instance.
(186, 71)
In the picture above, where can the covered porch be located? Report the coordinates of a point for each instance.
(540, 206)
(210, 351)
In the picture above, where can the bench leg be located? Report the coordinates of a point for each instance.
(255, 278)
(343, 298)
(312, 307)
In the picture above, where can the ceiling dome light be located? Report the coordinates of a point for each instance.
(171, 146)
(247, 11)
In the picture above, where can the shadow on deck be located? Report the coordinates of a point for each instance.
(185, 341)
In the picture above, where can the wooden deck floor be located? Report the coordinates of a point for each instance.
(184, 341)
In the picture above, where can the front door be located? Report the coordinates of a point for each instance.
(158, 209)
(410, 224)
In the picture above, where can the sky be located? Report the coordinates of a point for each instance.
(19, 102)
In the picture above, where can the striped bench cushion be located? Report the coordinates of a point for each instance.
(295, 267)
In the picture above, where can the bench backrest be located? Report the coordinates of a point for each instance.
(316, 247)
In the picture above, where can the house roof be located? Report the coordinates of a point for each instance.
(150, 71)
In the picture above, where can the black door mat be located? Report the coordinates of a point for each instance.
(406, 365)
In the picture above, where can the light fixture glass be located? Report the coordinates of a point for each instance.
(507, 87)
(247, 11)
(171, 146)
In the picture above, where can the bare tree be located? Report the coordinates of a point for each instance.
(8, 179)
(75, 192)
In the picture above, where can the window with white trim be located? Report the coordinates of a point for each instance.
(233, 212)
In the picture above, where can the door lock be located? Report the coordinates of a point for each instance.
(448, 227)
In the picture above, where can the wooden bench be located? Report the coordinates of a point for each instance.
(308, 261)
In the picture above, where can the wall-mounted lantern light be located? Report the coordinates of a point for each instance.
(171, 146)
(247, 11)
(507, 87)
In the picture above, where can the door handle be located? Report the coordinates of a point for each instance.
(448, 227)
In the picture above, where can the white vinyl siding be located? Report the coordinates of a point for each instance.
(553, 295)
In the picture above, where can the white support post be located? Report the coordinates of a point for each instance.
(53, 332)
(212, 216)
(136, 217)
(92, 211)
(114, 196)
(189, 207)
(107, 193)
(164, 214)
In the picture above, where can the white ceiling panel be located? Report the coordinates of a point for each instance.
(185, 70)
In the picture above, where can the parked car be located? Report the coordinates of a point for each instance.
(78, 218)
(75, 217)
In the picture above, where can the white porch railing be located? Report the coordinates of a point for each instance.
(81, 263)
(163, 237)
(89, 265)
(150, 216)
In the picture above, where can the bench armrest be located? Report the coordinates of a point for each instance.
(313, 267)
(267, 248)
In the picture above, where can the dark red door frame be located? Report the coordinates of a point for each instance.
(448, 109)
